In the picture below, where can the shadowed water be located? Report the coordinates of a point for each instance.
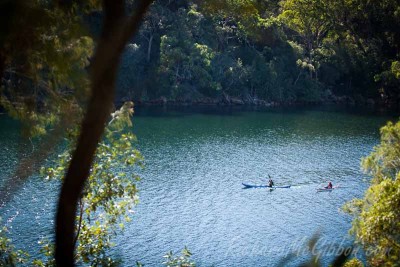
(191, 192)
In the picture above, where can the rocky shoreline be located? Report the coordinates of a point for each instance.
(226, 100)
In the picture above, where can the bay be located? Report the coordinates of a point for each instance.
(191, 193)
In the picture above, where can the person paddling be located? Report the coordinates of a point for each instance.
(330, 186)
(270, 182)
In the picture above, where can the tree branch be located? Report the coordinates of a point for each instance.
(81, 206)
(117, 29)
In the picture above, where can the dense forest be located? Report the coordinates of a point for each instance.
(264, 52)
(228, 52)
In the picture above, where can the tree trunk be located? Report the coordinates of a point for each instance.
(298, 77)
(310, 56)
(2, 66)
(117, 29)
(149, 48)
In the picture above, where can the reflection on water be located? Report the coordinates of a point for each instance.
(191, 192)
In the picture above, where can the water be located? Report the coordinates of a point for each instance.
(191, 193)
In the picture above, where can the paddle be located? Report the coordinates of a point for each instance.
(266, 179)
(269, 176)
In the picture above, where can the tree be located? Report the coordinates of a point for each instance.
(353, 263)
(368, 31)
(9, 257)
(43, 78)
(117, 29)
(185, 59)
(152, 25)
(376, 224)
(109, 194)
(308, 19)
(184, 260)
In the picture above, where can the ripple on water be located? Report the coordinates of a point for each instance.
(191, 192)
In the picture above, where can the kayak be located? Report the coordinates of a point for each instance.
(326, 189)
(264, 186)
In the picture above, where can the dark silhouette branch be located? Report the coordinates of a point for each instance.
(81, 209)
(117, 30)
(2, 65)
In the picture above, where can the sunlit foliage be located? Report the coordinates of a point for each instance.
(183, 260)
(353, 263)
(110, 194)
(377, 222)
(9, 256)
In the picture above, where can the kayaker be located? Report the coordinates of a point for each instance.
(270, 182)
(330, 186)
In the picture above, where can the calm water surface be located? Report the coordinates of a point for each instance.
(191, 191)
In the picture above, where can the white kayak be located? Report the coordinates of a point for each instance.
(323, 189)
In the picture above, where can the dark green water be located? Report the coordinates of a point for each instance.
(191, 191)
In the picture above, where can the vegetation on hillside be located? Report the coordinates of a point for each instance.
(377, 216)
(278, 51)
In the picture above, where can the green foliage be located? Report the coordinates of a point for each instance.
(376, 225)
(185, 65)
(109, 195)
(290, 51)
(353, 263)
(9, 256)
(198, 51)
(179, 261)
(44, 75)
(396, 69)
(384, 162)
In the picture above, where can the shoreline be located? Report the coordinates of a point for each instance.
(328, 98)
(160, 102)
